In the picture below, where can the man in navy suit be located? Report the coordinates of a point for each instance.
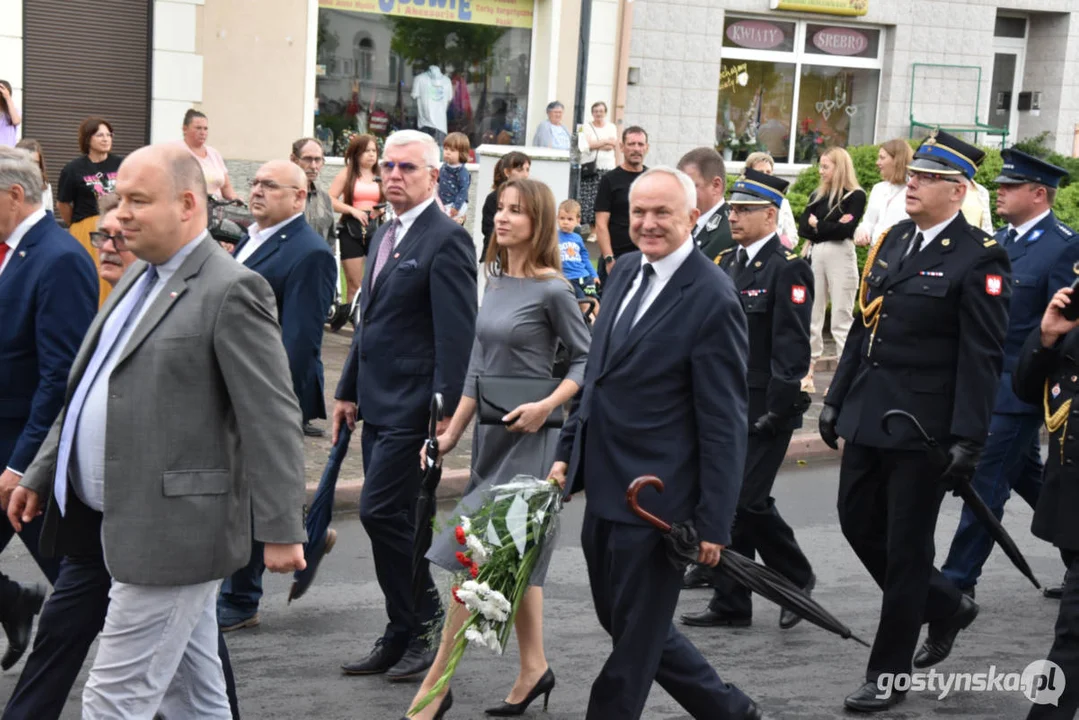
(664, 394)
(294, 259)
(48, 292)
(413, 338)
(1044, 253)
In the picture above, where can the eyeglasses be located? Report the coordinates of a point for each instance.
(746, 209)
(270, 185)
(305, 160)
(923, 177)
(406, 168)
(98, 239)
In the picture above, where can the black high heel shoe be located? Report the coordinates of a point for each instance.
(543, 687)
(443, 707)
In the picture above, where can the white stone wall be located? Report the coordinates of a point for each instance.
(11, 48)
(677, 44)
(177, 67)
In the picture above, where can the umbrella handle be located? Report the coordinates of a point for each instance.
(437, 413)
(884, 424)
(635, 506)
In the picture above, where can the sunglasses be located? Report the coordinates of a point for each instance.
(406, 168)
(98, 239)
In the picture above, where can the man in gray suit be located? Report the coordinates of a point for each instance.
(186, 359)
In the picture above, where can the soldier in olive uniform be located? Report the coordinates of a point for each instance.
(1047, 375)
(776, 289)
(705, 167)
(934, 297)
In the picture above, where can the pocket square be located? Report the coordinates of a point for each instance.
(409, 265)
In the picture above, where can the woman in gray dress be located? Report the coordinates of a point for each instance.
(527, 308)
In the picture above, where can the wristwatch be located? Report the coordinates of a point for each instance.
(608, 258)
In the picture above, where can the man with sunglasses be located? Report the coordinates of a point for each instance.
(413, 338)
(930, 341)
(776, 290)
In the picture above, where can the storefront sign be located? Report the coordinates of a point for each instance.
(504, 13)
(826, 7)
(755, 34)
(840, 41)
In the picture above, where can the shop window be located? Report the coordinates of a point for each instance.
(836, 106)
(755, 103)
(462, 68)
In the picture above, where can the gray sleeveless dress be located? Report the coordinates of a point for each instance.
(517, 330)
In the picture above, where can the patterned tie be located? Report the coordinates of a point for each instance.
(621, 328)
(112, 331)
(384, 250)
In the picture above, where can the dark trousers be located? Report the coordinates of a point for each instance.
(31, 531)
(1011, 460)
(242, 591)
(759, 528)
(1065, 650)
(888, 505)
(388, 511)
(635, 590)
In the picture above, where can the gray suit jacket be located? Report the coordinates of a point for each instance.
(203, 429)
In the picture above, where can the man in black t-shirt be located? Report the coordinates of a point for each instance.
(612, 200)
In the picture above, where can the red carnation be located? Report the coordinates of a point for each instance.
(459, 600)
(460, 532)
(474, 571)
(463, 559)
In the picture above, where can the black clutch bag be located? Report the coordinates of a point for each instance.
(498, 396)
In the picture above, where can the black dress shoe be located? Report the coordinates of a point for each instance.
(788, 619)
(414, 664)
(543, 687)
(868, 699)
(942, 633)
(443, 707)
(969, 592)
(1054, 593)
(697, 576)
(711, 618)
(382, 658)
(312, 431)
(18, 621)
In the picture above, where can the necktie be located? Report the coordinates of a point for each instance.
(113, 330)
(384, 250)
(743, 258)
(4, 247)
(1009, 238)
(621, 328)
(912, 249)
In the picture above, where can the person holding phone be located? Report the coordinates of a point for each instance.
(1044, 253)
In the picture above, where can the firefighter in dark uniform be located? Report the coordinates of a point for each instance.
(1042, 251)
(934, 297)
(706, 169)
(1047, 375)
(776, 289)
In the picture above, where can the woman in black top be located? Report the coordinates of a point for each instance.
(511, 166)
(828, 223)
(84, 180)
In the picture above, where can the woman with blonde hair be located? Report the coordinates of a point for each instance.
(888, 198)
(828, 223)
(786, 227)
(527, 309)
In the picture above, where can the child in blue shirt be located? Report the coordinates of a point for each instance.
(453, 177)
(575, 263)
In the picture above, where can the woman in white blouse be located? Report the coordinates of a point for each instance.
(597, 142)
(787, 227)
(888, 199)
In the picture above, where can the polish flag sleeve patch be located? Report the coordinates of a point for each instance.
(994, 284)
(798, 294)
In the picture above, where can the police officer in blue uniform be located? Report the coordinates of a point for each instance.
(776, 290)
(934, 297)
(1042, 251)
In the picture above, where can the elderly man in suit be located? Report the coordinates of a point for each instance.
(187, 345)
(664, 394)
(48, 290)
(413, 338)
(294, 259)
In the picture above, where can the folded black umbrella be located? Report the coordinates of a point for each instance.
(961, 487)
(319, 515)
(683, 546)
(425, 503)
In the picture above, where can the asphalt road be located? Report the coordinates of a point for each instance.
(289, 667)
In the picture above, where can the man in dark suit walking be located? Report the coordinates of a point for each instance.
(712, 231)
(934, 299)
(294, 259)
(776, 290)
(413, 338)
(664, 394)
(48, 291)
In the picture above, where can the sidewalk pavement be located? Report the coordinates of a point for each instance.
(806, 446)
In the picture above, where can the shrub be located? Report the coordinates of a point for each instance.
(1067, 205)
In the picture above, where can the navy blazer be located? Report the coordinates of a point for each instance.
(1044, 260)
(303, 274)
(48, 297)
(671, 402)
(415, 331)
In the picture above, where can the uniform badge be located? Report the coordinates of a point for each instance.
(882, 263)
(713, 222)
(757, 264)
(1055, 392)
(930, 273)
(945, 242)
(1035, 235)
(993, 284)
(798, 294)
(1075, 268)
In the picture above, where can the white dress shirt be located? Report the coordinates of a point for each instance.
(665, 268)
(19, 232)
(88, 456)
(705, 217)
(1021, 230)
(257, 237)
(408, 218)
(930, 235)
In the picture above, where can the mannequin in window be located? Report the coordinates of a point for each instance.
(433, 92)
